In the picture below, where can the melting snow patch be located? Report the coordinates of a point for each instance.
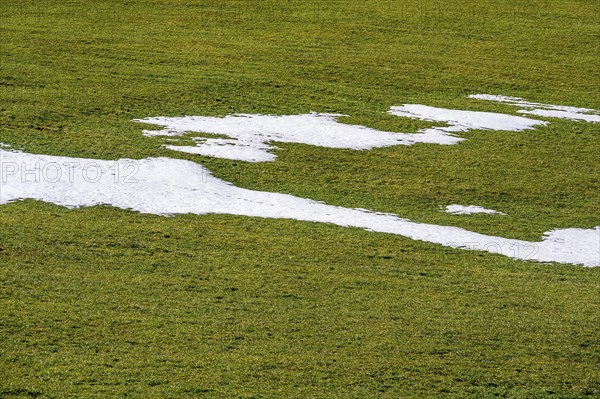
(165, 186)
(251, 134)
(462, 121)
(251, 151)
(468, 210)
(547, 110)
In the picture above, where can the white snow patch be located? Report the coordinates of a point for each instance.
(462, 121)
(165, 186)
(456, 209)
(562, 114)
(251, 151)
(251, 134)
(544, 110)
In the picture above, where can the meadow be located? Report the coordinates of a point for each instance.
(100, 302)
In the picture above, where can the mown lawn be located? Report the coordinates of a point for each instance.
(108, 303)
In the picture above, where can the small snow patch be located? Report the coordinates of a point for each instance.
(462, 121)
(544, 110)
(468, 210)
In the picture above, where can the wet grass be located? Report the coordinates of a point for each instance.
(101, 302)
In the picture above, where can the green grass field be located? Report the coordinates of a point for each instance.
(100, 302)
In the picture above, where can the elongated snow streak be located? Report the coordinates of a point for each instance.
(456, 209)
(544, 110)
(164, 186)
(250, 135)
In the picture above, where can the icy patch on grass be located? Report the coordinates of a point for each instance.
(456, 209)
(165, 186)
(546, 110)
(251, 135)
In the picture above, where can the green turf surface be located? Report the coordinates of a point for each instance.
(107, 303)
